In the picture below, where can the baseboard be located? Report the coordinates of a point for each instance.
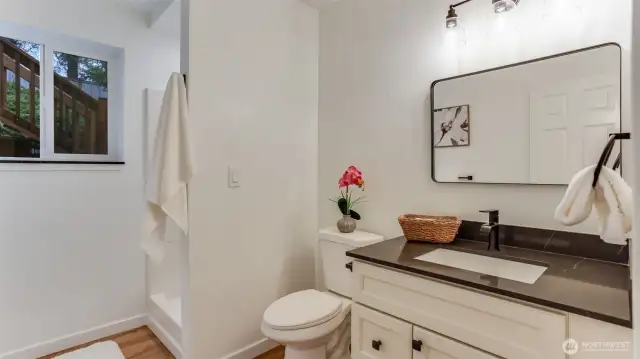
(253, 350)
(167, 339)
(73, 340)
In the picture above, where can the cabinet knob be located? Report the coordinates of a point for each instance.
(376, 344)
(349, 266)
(417, 345)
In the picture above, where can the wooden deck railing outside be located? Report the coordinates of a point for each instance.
(80, 120)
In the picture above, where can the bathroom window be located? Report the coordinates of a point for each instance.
(20, 95)
(57, 100)
(81, 98)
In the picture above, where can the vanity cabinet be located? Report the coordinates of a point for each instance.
(599, 340)
(429, 345)
(376, 335)
(504, 328)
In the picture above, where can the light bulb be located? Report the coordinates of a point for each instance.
(452, 18)
(500, 6)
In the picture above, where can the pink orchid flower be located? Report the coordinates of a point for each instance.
(351, 177)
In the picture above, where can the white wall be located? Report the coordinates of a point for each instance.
(253, 68)
(69, 251)
(377, 61)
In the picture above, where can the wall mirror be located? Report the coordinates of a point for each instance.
(535, 122)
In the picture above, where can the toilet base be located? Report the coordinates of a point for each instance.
(291, 352)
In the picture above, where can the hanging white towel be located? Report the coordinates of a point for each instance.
(577, 204)
(170, 170)
(611, 198)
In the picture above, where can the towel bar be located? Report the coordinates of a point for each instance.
(606, 153)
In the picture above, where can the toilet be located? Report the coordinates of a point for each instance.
(313, 324)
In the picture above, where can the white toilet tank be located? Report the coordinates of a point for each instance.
(333, 245)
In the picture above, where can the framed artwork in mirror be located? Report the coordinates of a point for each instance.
(451, 127)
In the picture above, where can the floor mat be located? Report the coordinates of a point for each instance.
(104, 350)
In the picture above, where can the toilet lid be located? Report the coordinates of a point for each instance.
(302, 310)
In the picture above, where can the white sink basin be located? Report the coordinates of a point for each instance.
(517, 271)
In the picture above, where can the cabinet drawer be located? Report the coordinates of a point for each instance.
(498, 326)
(592, 336)
(430, 345)
(378, 336)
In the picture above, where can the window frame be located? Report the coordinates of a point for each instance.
(50, 43)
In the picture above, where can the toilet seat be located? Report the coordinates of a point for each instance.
(305, 309)
(311, 335)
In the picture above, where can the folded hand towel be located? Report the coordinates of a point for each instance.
(171, 169)
(614, 207)
(611, 198)
(577, 204)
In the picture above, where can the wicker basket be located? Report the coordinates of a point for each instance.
(435, 229)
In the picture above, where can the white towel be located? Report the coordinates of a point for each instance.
(612, 200)
(170, 170)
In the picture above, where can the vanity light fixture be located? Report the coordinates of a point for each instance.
(499, 6)
(452, 18)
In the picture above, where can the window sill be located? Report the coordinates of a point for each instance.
(63, 162)
(49, 165)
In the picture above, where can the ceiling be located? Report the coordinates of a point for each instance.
(164, 15)
(147, 7)
(142, 6)
(168, 21)
(320, 3)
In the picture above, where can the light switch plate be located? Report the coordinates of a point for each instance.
(234, 177)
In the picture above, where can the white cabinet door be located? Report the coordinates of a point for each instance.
(593, 339)
(378, 336)
(429, 345)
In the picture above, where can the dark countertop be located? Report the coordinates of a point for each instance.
(587, 287)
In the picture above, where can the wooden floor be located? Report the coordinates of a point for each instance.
(277, 353)
(136, 344)
(141, 343)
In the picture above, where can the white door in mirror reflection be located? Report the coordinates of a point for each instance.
(569, 126)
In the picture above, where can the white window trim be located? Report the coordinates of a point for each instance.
(114, 57)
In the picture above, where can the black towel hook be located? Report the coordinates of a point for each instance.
(604, 157)
(618, 162)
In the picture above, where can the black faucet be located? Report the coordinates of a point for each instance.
(491, 230)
